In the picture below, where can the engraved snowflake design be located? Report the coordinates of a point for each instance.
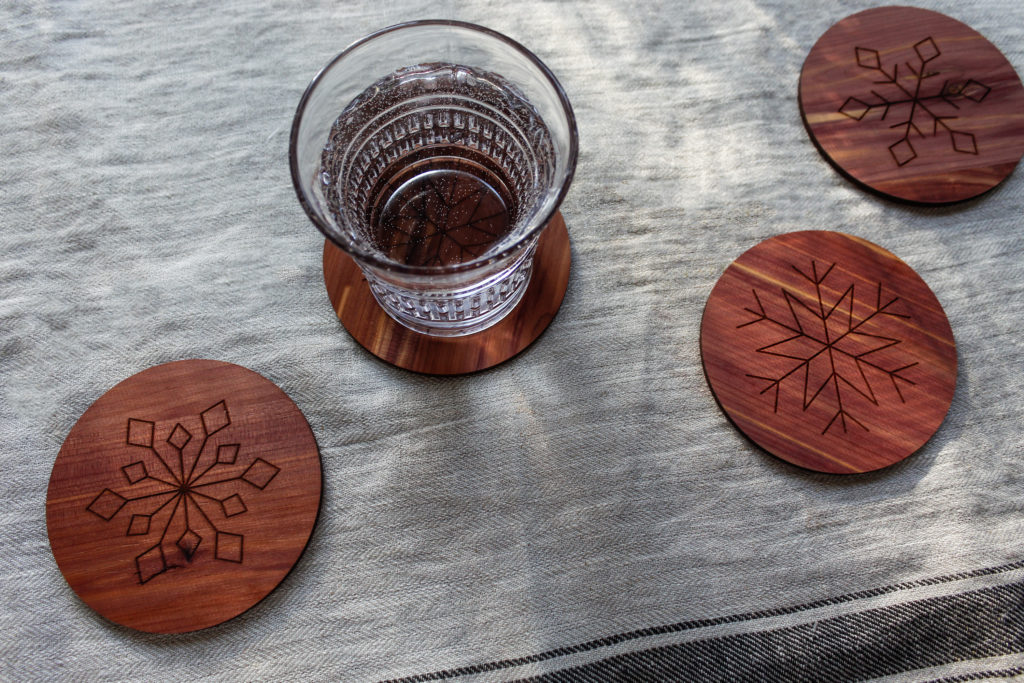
(443, 219)
(175, 504)
(908, 98)
(822, 338)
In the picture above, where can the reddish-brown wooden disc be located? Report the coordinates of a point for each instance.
(829, 352)
(379, 334)
(183, 496)
(913, 104)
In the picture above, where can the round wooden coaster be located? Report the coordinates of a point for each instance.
(829, 352)
(914, 105)
(183, 496)
(379, 334)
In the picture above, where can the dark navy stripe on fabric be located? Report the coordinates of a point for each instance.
(877, 642)
(683, 626)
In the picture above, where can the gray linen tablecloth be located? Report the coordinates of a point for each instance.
(582, 512)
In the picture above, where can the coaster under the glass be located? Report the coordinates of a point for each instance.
(396, 344)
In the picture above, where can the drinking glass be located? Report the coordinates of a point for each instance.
(434, 153)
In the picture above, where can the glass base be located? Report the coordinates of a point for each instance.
(380, 334)
(460, 312)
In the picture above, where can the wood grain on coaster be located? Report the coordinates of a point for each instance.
(183, 496)
(393, 343)
(914, 105)
(828, 352)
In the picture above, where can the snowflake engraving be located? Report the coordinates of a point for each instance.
(830, 349)
(177, 498)
(441, 218)
(907, 96)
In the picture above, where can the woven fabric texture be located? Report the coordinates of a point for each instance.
(582, 512)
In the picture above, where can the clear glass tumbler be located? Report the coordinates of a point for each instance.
(434, 153)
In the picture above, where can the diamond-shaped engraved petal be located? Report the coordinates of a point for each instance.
(963, 142)
(140, 432)
(150, 563)
(854, 108)
(135, 472)
(902, 151)
(139, 526)
(107, 504)
(260, 473)
(227, 453)
(927, 50)
(215, 418)
(233, 505)
(179, 437)
(189, 543)
(975, 90)
(228, 547)
(868, 58)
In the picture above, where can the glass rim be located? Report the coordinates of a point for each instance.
(374, 258)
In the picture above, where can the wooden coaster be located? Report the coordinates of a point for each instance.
(379, 334)
(183, 496)
(914, 105)
(829, 352)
